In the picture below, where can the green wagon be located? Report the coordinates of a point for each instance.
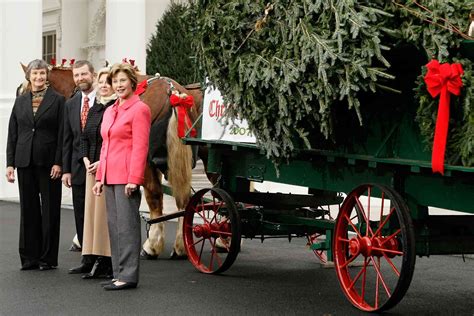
(373, 231)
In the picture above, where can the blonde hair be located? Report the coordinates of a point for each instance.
(128, 70)
(103, 71)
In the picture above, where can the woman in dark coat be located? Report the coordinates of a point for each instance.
(34, 148)
(96, 241)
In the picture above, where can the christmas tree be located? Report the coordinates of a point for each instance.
(169, 51)
(293, 69)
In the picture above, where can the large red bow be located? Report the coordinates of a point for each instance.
(184, 122)
(141, 87)
(443, 79)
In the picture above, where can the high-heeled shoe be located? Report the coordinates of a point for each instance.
(102, 268)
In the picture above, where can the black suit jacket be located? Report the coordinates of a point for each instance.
(72, 140)
(36, 139)
(91, 140)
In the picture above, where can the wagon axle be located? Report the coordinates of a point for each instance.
(208, 230)
(376, 246)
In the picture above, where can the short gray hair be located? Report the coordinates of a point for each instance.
(36, 64)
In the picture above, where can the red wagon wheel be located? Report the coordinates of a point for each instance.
(211, 215)
(320, 254)
(374, 227)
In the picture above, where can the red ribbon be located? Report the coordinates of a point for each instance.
(442, 79)
(141, 87)
(184, 122)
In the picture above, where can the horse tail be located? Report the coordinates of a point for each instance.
(179, 164)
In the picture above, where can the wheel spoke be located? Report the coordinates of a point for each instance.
(359, 274)
(349, 261)
(391, 236)
(203, 216)
(383, 250)
(352, 225)
(343, 239)
(221, 233)
(363, 282)
(379, 229)
(377, 286)
(369, 229)
(213, 252)
(390, 262)
(197, 242)
(202, 248)
(369, 190)
(379, 276)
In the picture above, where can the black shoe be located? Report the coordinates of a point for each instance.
(104, 283)
(45, 266)
(75, 248)
(83, 268)
(102, 269)
(113, 287)
(30, 266)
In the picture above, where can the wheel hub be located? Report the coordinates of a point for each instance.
(203, 230)
(367, 246)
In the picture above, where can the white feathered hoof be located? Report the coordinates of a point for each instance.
(174, 256)
(145, 256)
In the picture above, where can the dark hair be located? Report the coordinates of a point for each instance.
(36, 64)
(128, 70)
(80, 63)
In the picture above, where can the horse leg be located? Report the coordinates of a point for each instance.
(154, 245)
(179, 251)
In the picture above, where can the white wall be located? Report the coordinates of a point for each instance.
(154, 11)
(74, 26)
(20, 41)
(125, 30)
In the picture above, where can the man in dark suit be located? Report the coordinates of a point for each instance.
(74, 172)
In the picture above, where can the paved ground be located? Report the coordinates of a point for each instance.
(273, 278)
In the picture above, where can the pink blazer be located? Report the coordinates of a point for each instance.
(125, 132)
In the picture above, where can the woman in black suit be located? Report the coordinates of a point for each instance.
(34, 148)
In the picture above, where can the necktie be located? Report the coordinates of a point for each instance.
(85, 111)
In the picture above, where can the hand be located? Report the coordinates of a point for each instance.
(55, 172)
(66, 179)
(10, 174)
(87, 162)
(130, 188)
(92, 169)
(97, 188)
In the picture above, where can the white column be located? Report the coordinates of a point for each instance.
(125, 32)
(20, 41)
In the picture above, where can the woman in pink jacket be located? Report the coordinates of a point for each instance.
(125, 132)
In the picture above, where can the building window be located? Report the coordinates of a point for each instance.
(49, 46)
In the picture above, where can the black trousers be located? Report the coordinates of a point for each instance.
(40, 205)
(78, 202)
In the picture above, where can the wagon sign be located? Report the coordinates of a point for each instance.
(214, 126)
